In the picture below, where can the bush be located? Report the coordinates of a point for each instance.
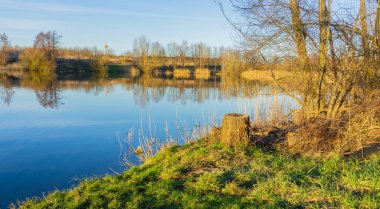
(36, 60)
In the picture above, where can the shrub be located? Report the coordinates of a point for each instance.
(36, 60)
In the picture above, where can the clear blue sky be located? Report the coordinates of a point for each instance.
(91, 23)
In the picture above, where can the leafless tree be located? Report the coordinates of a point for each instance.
(48, 42)
(141, 48)
(174, 51)
(157, 54)
(4, 46)
(184, 47)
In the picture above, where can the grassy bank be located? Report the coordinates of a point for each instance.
(206, 174)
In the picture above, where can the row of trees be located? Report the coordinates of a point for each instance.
(337, 45)
(146, 54)
(151, 54)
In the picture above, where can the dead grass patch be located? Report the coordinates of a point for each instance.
(135, 72)
(182, 73)
(356, 131)
(202, 73)
(266, 75)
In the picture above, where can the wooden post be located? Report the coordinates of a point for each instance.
(235, 130)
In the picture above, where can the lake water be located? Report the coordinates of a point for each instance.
(54, 132)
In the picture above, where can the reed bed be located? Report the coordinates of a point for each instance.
(182, 73)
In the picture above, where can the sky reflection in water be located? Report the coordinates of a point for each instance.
(47, 148)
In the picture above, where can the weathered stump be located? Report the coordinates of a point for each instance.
(235, 130)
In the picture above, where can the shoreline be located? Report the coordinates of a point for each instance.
(206, 174)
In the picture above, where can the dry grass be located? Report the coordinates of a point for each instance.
(202, 77)
(134, 72)
(363, 125)
(356, 132)
(266, 75)
(315, 137)
(182, 73)
(11, 67)
(168, 72)
(202, 73)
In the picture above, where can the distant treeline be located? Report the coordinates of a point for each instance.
(146, 55)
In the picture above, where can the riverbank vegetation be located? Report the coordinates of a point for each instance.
(223, 177)
(145, 55)
(337, 60)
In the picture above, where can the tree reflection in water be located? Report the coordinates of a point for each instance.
(147, 88)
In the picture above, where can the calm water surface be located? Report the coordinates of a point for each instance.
(53, 134)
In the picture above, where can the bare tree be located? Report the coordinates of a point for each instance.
(157, 54)
(194, 53)
(183, 52)
(203, 54)
(141, 47)
(215, 55)
(174, 51)
(299, 33)
(4, 45)
(49, 43)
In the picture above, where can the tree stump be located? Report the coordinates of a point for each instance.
(235, 130)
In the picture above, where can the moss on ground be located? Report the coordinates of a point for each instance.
(206, 174)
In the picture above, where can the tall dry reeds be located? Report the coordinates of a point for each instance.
(146, 143)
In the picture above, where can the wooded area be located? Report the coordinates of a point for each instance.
(337, 45)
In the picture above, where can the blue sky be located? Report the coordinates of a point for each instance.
(91, 23)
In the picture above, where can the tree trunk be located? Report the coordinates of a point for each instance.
(333, 102)
(377, 31)
(323, 40)
(235, 130)
(364, 29)
(331, 43)
(299, 34)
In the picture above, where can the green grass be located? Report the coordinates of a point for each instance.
(206, 174)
